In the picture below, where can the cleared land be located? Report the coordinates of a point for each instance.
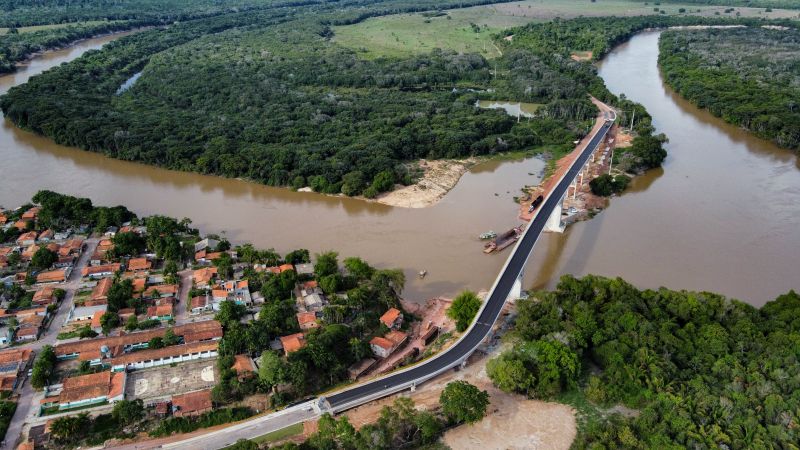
(165, 381)
(471, 29)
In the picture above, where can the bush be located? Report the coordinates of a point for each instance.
(216, 417)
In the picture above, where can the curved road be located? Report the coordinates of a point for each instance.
(480, 329)
(358, 395)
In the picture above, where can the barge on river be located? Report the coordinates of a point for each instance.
(504, 240)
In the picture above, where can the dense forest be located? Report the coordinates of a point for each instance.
(16, 46)
(699, 370)
(749, 77)
(268, 97)
(20, 13)
(790, 4)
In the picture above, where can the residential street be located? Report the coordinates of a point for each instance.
(25, 404)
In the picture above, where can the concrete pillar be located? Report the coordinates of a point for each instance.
(554, 224)
(516, 289)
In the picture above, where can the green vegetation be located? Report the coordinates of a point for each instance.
(606, 184)
(749, 77)
(768, 4)
(7, 409)
(701, 370)
(84, 430)
(294, 126)
(463, 309)
(218, 416)
(43, 367)
(16, 46)
(60, 212)
(283, 433)
(19, 13)
(400, 425)
(404, 35)
(463, 402)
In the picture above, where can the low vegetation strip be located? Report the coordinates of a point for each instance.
(749, 77)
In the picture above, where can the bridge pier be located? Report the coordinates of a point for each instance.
(554, 224)
(516, 289)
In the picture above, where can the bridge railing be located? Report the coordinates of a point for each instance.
(407, 385)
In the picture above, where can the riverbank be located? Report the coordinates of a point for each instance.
(439, 177)
(579, 202)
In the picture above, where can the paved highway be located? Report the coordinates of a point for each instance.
(404, 379)
(480, 329)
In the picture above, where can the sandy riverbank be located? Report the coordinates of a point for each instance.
(438, 178)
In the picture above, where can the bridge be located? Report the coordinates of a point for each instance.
(507, 285)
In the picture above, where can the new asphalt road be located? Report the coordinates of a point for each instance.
(456, 354)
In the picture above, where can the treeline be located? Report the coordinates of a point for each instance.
(537, 62)
(20, 13)
(16, 46)
(600, 34)
(278, 103)
(60, 212)
(701, 371)
(788, 4)
(749, 77)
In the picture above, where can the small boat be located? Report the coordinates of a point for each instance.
(488, 235)
(422, 273)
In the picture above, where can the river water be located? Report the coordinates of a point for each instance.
(718, 217)
(441, 239)
(721, 216)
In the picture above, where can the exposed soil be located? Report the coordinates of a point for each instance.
(579, 202)
(582, 56)
(439, 177)
(512, 421)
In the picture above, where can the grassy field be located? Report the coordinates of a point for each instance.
(51, 27)
(283, 433)
(471, 29)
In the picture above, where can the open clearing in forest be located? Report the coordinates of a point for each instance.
(406, 34)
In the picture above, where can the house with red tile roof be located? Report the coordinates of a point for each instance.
(91, 389)
(100, 292)
(160, 312)
(26, 239)
(32, 214)
(192, 404)
(53, 276)
(202, 277)
(47, 235)
(244, 366)
(139, 264)
(307, 320)
(13, 364)
(386, 345)
(44, 296)
(103, 270)
(293, 342)
(392, 318)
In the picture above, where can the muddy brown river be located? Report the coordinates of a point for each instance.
(720, 216)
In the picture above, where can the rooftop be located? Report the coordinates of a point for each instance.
(192, 402)
(164, 352)
(390, 316)
(293, 342)
(193, 332)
